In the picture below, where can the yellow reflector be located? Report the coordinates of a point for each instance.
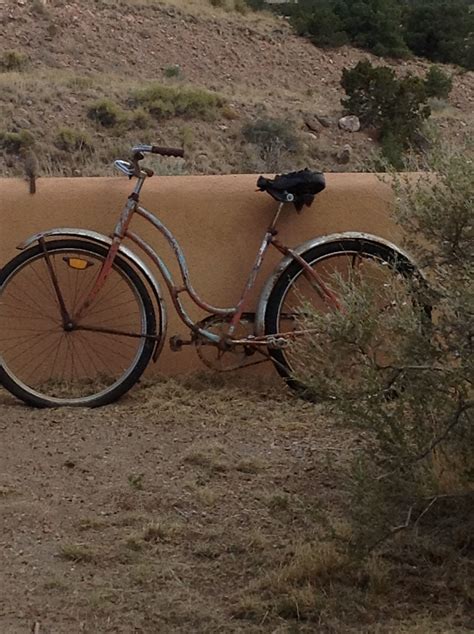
(78, 263)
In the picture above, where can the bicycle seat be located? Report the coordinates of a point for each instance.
(300, 188)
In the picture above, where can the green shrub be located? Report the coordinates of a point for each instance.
(172, 71)
(412, 475)
(241, 6)
(322, 26)
(72, 140)
(141, 119)
(15, 142)
(106, 113)
(438, 84)
(397, 108)
(371, 24)
(441, 30)
(272, 137)
(170, 101)
(13, 61)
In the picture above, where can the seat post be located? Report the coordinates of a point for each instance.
(275, 219)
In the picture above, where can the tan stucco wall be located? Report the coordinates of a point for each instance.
(219, 221)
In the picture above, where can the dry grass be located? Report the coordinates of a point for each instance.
(227, 532)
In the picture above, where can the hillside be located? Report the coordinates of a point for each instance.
(69, 55)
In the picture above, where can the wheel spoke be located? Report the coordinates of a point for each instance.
(48, 364)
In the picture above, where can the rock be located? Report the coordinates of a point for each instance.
(350, 123)
(312, 123)
(324, 121)
(344, 155)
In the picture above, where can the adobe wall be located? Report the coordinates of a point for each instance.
(219, 221)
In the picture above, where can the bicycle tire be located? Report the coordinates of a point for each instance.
(29, 312)
(363, 248)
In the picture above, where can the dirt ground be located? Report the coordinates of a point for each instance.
(188, 506)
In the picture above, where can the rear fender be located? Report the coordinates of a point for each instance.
(127, 254)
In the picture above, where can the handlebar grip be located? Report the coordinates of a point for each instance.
(167, 151)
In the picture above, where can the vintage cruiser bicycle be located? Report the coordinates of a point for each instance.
(81, 314)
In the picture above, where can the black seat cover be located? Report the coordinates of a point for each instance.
(302, 185)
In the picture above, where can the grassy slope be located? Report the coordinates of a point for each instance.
(80, 52)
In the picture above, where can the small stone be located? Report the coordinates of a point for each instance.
(350, 123)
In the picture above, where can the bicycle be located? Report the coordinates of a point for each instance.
(81, 314)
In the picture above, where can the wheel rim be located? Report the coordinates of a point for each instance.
(74, 367)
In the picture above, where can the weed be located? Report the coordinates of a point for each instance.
(6, 491)
(140, 118)
(250, 465)
(187, 136)
(71, 140)
(92, 524)
(54, 584)
(172, 71)
(279, 502)
(13, 61)
(78, 553)
(135, 480)
(79, 82)
(230, 113)
(134, 543)
(160, 532)
(106, 113)
(170, 101)
(205, 495)
(15, 142)
(210, 457)
(273, 137)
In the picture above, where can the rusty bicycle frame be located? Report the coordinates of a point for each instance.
(232, 314)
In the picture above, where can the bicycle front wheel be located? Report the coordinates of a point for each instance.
(355, 261)
(46, 364)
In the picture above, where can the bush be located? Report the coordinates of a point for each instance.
(441, 30)
(371, 24)
(13, 61)
(15, 142)
(438, 84)
(172, 71)
(272, 137)
(413, 471)
(169, 101)
(72, 140)
(106, 113)
(397, 108)
(141, 119)
(322, 26)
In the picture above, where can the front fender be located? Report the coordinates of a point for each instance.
(314, 242)
(127, 254)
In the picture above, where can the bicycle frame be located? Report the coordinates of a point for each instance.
(122, 231)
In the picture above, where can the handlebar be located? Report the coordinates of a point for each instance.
(132, 168)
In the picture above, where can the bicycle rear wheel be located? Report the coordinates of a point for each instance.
(348, 260)
(46, 365)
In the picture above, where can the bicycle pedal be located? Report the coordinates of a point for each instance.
(277, 343)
